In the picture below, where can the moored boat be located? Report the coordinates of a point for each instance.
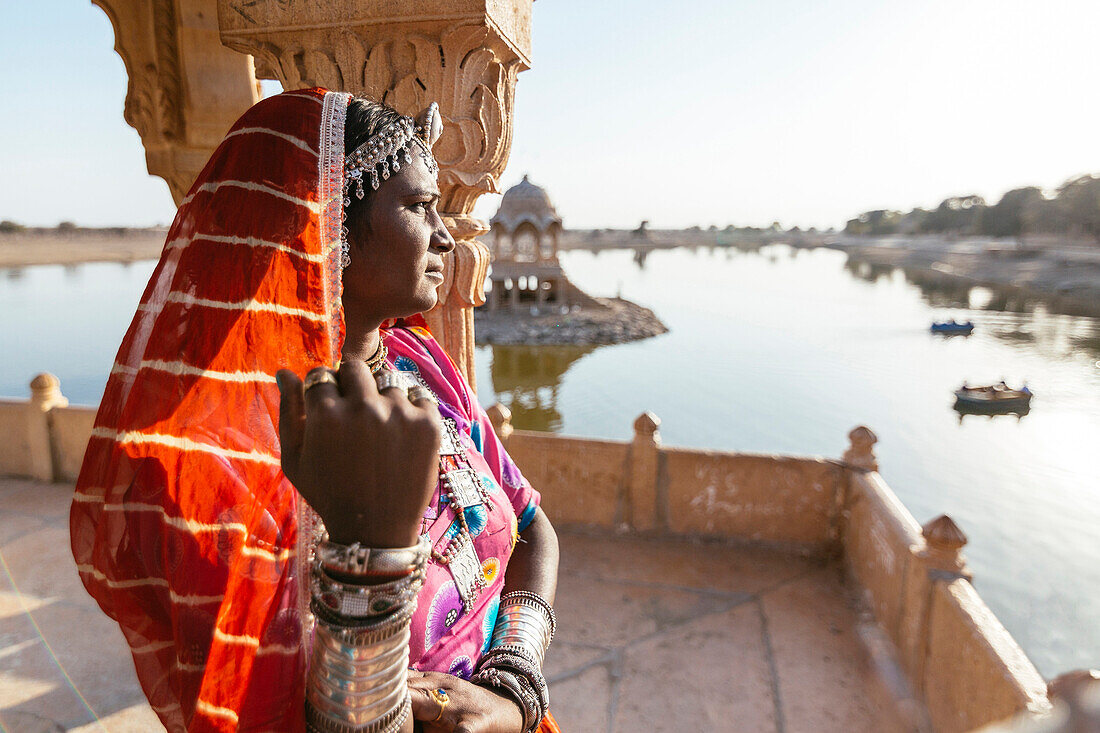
(994, 398)
(953, 327)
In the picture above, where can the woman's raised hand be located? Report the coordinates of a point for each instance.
(367, 462)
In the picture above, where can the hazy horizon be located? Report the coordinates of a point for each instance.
(806, 116)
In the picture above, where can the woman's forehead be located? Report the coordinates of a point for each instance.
(413, 179)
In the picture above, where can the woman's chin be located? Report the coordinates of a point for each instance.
(426, 301)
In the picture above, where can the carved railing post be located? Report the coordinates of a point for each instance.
(185, 89)
(45, 395)
(463, 54)
(944, 541)
(860, 453)
(501, 419)
(645, 514)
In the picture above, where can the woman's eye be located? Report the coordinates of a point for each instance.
(422, 206)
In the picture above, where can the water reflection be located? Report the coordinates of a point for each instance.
(946, 291)
(1090, 344)
(526, 380)
(866, 271)
(976, 413)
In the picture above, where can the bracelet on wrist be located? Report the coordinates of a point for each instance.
(358, 603)
(356, 561)
(518, 690)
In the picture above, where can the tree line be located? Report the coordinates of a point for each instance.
(1073, 209)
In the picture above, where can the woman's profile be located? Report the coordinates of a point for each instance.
(292, 502)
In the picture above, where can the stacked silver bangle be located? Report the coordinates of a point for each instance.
(357, 678)
(524, 628)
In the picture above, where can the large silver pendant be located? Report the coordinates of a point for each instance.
(464, 487)
(449, 444)
(466, 570)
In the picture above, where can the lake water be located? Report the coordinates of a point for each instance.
(778, 350)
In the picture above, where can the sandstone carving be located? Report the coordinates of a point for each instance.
(463, 55)
(185, 89)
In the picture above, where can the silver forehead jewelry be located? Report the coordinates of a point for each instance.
(386, 152)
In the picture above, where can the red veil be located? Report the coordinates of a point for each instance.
(184, 528)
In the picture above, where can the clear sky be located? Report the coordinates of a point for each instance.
(693, 112)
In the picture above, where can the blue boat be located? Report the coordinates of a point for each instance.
(952, 327)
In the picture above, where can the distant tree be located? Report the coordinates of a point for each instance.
(1078, 200)
(913, 221)
(1008, 217)
(956, 215)
(66, 226)
(10, 227)
(875, 223)
(712, 228)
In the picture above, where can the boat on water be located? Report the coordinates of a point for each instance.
(953, 327)
(993, 399)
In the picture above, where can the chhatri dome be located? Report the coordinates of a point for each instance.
(524, 245)
(526, 203)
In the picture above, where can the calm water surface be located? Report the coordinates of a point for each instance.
(780, 351)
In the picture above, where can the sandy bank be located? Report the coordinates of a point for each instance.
(58, 247)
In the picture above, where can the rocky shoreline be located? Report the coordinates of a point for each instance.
(1066, 278)
(600, 321)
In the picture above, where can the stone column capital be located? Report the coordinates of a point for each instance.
(184, 89)
(462, 54)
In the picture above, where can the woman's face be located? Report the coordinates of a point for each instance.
(397, 247)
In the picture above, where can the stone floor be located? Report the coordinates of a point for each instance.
(653, 636)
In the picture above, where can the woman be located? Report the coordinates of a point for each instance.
(184, 525)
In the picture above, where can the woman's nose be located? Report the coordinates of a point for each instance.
(441, 238)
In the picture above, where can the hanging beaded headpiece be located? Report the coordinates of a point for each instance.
(387, 151)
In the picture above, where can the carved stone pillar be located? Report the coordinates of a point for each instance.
(463, 54)
(185, 89)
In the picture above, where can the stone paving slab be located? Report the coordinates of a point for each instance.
(654, 635)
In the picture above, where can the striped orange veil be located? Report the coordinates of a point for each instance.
(184, 528)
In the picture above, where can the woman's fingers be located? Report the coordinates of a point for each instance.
(426, 706)
(422, 397)
(292, 418)
(390, 384)
(356, 381)
(319, 387)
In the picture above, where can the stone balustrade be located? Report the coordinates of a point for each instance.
(945, 662)
(1076, 708)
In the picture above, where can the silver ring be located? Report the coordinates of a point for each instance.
(314, 378)
(390, 380)
(420, 392)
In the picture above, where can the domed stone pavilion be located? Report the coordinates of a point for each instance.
(524, 244)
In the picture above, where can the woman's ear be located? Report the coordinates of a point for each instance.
(429, 124)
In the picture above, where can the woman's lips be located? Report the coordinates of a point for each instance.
(435, 274)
